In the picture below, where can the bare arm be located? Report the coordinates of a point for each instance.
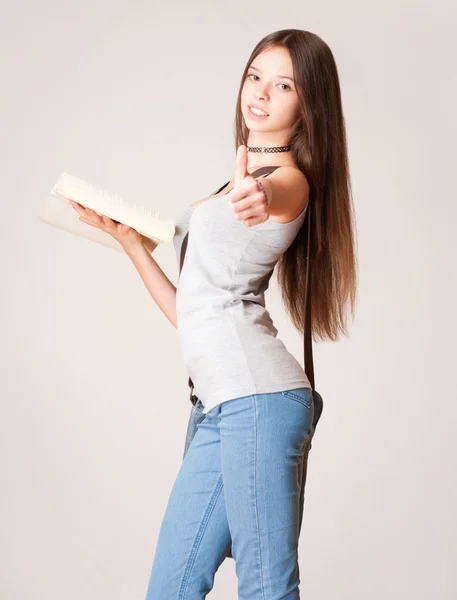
(138, 248)
(155, 280)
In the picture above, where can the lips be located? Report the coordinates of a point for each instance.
(258, 108)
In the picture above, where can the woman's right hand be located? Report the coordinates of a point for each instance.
(127, 237)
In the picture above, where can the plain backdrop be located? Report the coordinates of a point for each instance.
(139, 98)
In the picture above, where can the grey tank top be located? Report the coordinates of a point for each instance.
(227, 337)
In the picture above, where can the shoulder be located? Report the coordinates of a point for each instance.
(289, 192)
(291, 175)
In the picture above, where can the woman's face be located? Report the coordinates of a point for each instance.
(269, 86)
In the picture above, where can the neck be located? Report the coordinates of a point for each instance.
(267, 159)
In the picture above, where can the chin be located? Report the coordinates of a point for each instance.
(260, 125)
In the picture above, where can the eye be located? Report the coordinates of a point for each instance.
(254, 75)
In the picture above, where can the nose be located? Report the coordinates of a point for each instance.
(261, 92)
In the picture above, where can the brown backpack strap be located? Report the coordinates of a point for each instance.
(221, 188)
(183, 251)
(262, 171)
(307, 338)
(258, 172)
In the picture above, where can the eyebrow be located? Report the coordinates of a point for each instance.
(282, 76)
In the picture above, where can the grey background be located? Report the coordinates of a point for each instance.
(139, 98)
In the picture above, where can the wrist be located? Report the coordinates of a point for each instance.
(134, 249)
(265, 188)
(148, 244)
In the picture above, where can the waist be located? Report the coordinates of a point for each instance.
(224, 355)
(213, 320)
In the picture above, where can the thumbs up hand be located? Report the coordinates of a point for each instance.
(247, 198)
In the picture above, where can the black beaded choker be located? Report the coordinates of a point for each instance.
(265, 149)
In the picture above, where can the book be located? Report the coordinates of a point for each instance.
(58, 212)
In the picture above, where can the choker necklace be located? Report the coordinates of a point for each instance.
(265, 149)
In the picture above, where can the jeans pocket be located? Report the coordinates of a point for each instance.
(302, 395)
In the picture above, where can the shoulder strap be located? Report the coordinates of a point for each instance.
(261, 171)
(183, 251)
(221, 188)
(307, 338)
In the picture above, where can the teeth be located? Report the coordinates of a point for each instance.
(256, 111)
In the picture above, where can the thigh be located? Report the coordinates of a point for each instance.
(262, 441)
(194, 537)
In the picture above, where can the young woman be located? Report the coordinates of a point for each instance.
(237, 488)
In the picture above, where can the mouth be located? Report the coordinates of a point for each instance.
(258, 114)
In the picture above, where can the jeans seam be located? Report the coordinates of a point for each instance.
(198, 538)
(255, 498)
(297, 398)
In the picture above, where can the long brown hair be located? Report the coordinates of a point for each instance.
(320, 152)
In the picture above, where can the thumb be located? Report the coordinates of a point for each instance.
(241, 164)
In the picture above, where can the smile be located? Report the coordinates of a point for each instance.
(258, 114)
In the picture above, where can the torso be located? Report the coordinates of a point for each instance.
(227, 336)
(276, 219)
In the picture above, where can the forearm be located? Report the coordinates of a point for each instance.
(157, 283)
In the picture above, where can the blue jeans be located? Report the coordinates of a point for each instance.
(237, 487)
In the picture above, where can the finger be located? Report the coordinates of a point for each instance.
(88, 222)
(108, 222)
(249, 191)
(250, 221)
(78, 208)
(91, 212)
(250, 217)
(241, 164)
(246, 209)
(83, 210)
(250, 214)
(240, 206)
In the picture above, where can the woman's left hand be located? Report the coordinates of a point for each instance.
(247, 199)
